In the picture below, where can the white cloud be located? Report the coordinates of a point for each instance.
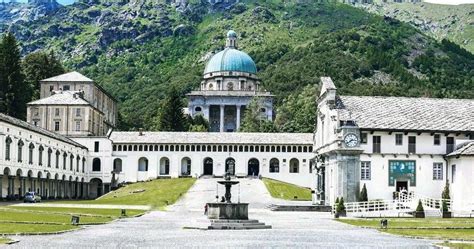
(450, 1)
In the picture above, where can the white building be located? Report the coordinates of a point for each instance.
(141, 156)
(34, 159)
(391, 143)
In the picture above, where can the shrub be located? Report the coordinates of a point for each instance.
(363, 194)
(444, 206)
(445, 194)
(420, 208)
(337, 200)
(340, 208)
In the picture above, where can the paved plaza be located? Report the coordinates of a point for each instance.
(167, 229)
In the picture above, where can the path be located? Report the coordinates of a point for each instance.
(75, 205)
(165, 229)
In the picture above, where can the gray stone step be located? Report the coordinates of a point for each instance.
(233, 221)
(227, 227)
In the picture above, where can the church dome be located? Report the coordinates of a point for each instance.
(231, 59)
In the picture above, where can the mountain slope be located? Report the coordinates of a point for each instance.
(136, 50)
(454, 22)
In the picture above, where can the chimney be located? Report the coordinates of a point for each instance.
(140, 132)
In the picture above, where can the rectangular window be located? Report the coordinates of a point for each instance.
(437, 171)
(437, 139)
(96, 146)
(449, 144)
(376, 144)
(453, 173)
(365, 170)
(51, 88)
(35, 123)
(56, 126)
(56, 111)
(363, 138)
(66, 87)
(412, 144)
(398, 139)
(78, 125)
(78, 112)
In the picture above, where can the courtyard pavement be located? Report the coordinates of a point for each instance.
(165, 229)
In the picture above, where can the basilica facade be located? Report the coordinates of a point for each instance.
(228, 85)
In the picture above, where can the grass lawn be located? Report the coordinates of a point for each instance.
(4, 240)
(29, 219)
(458, 245)
(287, 191)
(398, 226)
(157, 193)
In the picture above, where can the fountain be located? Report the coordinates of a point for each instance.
(228, 215)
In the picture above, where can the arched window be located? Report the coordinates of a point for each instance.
(31, 147)
(64, 160)
(83, 164)
(273, 148)
(71, 162)
(20, 150)
(50, 151)
(143, 164)
(274, 165)
(57, 158)
(135, 148)
(119, 147)
(197, 109)
(40, 155)
(117, 165)
(294, 165)
(8, 141)
(78, 161)
(96, 164)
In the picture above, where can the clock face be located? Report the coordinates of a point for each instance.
(351, 140)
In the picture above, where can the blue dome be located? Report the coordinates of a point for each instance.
(231, 59)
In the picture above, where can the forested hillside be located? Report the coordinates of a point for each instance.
(137, 51)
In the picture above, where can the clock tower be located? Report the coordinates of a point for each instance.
(348, 162)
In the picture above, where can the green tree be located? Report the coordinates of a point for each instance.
(198, 124)
(38, 66)
(298, 111)
(170, 114)
(363, 194)
(254, 119)
(340, 208)
(14, 92)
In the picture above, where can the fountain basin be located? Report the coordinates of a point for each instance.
(228, 211)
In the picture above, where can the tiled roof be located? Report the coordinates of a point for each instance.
(28, 126)
(212, 138)
(465, 150)
(402, 113)
(61, 98)
(68, 77)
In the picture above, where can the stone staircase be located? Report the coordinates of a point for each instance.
(237, 225)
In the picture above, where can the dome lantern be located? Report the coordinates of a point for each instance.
(231, 39)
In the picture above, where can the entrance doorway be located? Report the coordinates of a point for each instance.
(253, 167)
(401, 185)
(230, 166)
(208, 166)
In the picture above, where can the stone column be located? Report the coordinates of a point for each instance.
(13, 186)
(237, 122)
(221, 124)
(1, 187)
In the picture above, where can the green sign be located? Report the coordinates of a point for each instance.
(402, 170)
